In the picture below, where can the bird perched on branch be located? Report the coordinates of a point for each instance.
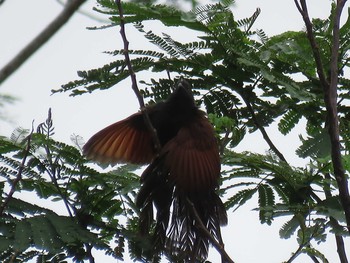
(181, 178)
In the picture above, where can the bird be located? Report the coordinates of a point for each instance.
(181, 178)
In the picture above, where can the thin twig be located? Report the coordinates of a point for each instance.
(41, 39)
(14, 257)
(51, 166)
(261, 127)
(219, 247)
(255, 119)
(18, 177)
(133, 78)
(300, 250)
(263, 131)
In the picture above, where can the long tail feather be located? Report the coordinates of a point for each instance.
(177, 230)
(186, 241)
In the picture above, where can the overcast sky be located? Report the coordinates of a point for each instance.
(76, 48)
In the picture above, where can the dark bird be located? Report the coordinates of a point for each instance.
(183, 173)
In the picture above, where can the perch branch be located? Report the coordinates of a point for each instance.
(302, 8)
(133, 78)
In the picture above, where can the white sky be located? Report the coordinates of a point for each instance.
(75, 48)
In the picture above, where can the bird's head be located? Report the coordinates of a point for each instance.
(183, 91)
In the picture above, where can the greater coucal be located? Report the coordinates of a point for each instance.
(185, 171)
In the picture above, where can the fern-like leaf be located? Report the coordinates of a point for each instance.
(288, 122)
(317, 146)
(266, 202)
(240, 198)
(289, 228)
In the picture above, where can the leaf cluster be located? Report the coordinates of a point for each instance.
(90, 205)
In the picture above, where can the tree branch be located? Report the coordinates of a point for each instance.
(89, 248)
(133, 78)
(263, 131)
(255, 119)
(332, 110)
(302, 8)
(334, 223)
(41, 39)
(330, 98)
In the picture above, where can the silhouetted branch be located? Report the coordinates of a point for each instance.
(330, 98)
(263, 131)
(41, 39)
(302, 8)
(133, 78)
(334, 223)
(332, 110)
(305, 243)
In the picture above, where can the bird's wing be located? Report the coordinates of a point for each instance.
(192, 157)
(125, 141)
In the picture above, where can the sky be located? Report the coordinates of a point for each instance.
(75, 48)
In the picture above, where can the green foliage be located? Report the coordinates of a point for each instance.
(91, 203)
(288, 122)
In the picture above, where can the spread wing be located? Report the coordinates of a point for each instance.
(192, 157)
(125, 141)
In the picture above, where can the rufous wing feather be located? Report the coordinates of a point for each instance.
(192, 157)
(125, 141)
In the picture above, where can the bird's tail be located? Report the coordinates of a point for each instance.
(187, 240)
(177, 231)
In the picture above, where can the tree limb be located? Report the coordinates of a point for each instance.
(41, 39)
(332, 110)
(133, 78)
(330, 98)
(302, 8)
(334, 223)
